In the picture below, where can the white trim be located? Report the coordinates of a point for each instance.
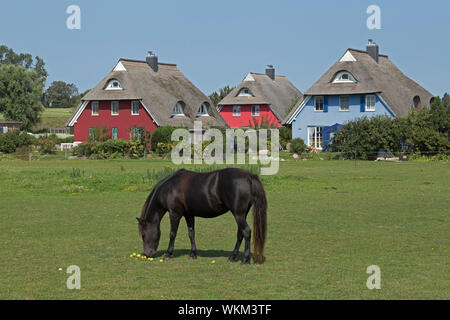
(337, 78)
(110, 85)
(323, 103)
(298, 109)
(348, 103)
(347, 57)
(98, 109)
(78, 113)
(118, 107)
(249, 77)
(119, 67)
(385, 103)
(132, 113)
(148, 111)
(374, 104)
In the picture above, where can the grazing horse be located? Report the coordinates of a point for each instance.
(191, 194)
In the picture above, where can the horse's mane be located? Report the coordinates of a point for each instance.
(151, 196)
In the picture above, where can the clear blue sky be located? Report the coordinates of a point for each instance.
(216, 43)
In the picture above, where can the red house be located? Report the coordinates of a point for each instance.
(142, 93)
(259, 99)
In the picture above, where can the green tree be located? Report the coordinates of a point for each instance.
(61, 95)
(20, 94)
(216, 97)
(8, 56)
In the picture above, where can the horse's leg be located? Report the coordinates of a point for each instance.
(190, 221)
(233, 257)
(246, 233)
(174, 222)
(240, 236)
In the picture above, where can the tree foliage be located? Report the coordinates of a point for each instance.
(22, 81)
(20, 95)
(61, 95)
(216, 97)
(422, 131)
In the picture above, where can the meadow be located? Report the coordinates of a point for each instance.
(327, 222)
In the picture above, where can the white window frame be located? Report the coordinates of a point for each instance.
(245, 92)
(92, 108)
(370, 98)
(112, 108)
(203, 110)
(340, 103)
(339, 78)
(255, 110)
(110, 85)
(133, 103)
(236, 111)
(178, 110)
(317, 137)
(316, 98)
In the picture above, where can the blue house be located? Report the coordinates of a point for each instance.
(359, 84)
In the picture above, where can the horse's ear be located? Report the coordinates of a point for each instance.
(139, 220)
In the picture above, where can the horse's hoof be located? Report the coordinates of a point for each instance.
(192, 257)
(232, 259)
(246, 261)
(167, 257)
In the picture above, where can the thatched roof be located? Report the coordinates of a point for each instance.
(383, 78)
(278, 94)
(158, 91)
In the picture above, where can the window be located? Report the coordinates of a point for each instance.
(345, 77)
(318, 103)
(245, 92)
(114, 108)
(91, 134)
(255, 111)
(114, 85)
(370, 102)
(236, 111)
(94, 108)
(135, 107)
(315, 137)
(135, 134)
(115, 133)
(203, 110)
(178, 109)
(344, 103)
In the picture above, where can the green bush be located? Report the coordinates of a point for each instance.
(298, 146)
(162, 134)
(12, 140)
(285, 136)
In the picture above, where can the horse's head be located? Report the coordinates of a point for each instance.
(150, 236)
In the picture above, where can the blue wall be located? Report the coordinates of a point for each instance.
(331, 115)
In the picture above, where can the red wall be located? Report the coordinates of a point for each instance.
(246, 119)
(122, 122)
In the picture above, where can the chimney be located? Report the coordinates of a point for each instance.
(372, 50)
(152, 61)
(270, 71)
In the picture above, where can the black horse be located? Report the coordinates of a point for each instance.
(192, 194)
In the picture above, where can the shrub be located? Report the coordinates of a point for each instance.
(12, 140)
(162, 134)
(285, 136)
(99, 134)
(47, 145)
(298, 146)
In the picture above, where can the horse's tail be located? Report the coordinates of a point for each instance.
(259, 202)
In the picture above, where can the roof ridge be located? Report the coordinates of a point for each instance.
(143, 61)
(362, 51)
(263, 74)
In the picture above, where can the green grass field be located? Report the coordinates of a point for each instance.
(52, 118)
(327, 222)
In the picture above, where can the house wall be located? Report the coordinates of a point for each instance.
(122, 121)
(246, 119)
(308, 117)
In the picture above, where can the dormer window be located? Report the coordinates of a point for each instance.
(245, 92)
(203, 110)
(114, 85)
(344, 77)
(178, 109)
